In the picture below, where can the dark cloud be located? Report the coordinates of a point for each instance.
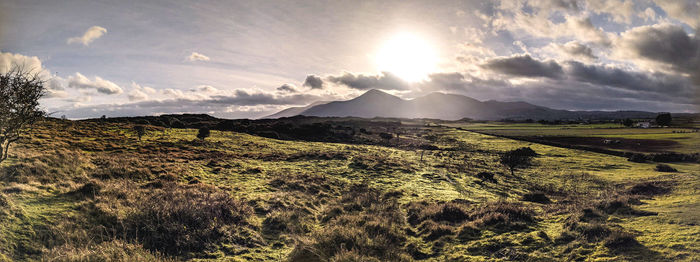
(667, 44)
(245, 98)
(577, 49)
(524, 65)
(636, 81)
(579, 87)
(387, 81)
(313, 81)
(287, 88)
(446, 81)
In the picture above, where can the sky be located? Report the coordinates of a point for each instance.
(249, 59)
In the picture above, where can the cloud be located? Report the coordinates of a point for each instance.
(289, 88)
(621, 11)
(684, 10)
(207, 89)
(53, 84)
(90, 35)
(139, 93)
(635, 81)
(665, 44)
(386, 80)
(524, 65)
(577, 49)
(103, 86)
(197, 57)
(313, 81)
(232, 104)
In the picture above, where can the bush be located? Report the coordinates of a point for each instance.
(178, 220)
(203, 133)
(517, 158)
(637, 158)
(386, 136)
(503, 215)
(140, 131)
(665, 168)
(364, 221)
(486, 176)
(649, 189)
(619, 239)
(536, 197)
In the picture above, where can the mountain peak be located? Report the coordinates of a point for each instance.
(376, 94)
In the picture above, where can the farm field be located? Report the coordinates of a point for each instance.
(680, 140)
(92, 191)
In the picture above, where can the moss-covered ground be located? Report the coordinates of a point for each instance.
(90, 191)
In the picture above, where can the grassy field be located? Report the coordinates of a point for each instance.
(77, 191)
(681, 140)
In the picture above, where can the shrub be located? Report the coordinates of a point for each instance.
(503, 215)
(140, 131)
(649, 189)
(203, 133)
(449, 212)
(517, 158)
(178, 220)
(486, 176)
(619, 239)
(386, 136)
(468, 232)
(637, 158)
(536, 197)
(665, 168)
(433, 231)
(364, 221)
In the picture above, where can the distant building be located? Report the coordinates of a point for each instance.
(646, 124)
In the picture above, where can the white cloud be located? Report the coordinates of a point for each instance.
(79, 81)
(207, 89)
(139, 92)
(54, 84)
(687, 11)
(621, 11)
(197, 57)
(90, 35)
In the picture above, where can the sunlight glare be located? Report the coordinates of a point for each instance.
(407, 56)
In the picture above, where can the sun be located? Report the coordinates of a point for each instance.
(407, 56)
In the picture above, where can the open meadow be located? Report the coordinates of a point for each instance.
(91, 191)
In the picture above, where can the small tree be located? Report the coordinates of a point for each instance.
(203, 133)
(517, 158)
(140, 131)
(664, 119)
(386, 136)
(20, 91)
(627, 122)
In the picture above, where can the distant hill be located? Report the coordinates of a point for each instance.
(375, 103)
(295, 111)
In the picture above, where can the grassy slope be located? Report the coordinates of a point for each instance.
(243, 165)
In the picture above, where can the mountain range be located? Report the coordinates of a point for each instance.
(376, 103)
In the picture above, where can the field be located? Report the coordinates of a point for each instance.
(643, 140)
(92, 191)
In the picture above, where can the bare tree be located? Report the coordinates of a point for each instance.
(20, 91)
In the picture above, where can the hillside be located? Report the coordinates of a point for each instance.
(91, 190)
(295, 111)
(375, 103)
